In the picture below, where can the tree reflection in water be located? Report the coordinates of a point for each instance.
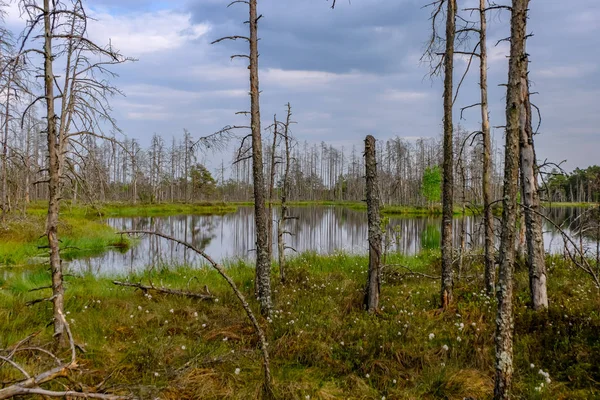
(324, 229)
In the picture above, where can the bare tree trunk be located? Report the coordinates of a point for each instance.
(284, 195)
(536, 257)
(54, 169)
(488, 217)
(521, 223)
(27, 164)
(271, 189)
(5, 203)
(263, 262)
(375, 235)
(448, 182)
(515, 116)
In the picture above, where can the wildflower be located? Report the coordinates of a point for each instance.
(216, 300)
(237, 371)
(367, 376)
(532, 366)
(171, 311)
(156, 374)
(225, 339)
(431, 336)
(131, 316)
(394, 381)
(195, 314)
(458, 339)
(445, 347)
(140, 308)
(182, 347)
(204, 325)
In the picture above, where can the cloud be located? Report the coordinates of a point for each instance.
(403, 96)
(136, 34)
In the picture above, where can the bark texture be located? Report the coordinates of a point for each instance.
(263, 262)
(374, 221)
(448, 166)
(536, 255)
(55, 155)
(488, 217)
(515, 117)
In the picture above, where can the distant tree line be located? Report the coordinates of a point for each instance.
(169, 170)
(581, 185)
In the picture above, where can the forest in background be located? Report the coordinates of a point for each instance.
(170, 171)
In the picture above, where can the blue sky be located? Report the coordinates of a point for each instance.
(348, 72)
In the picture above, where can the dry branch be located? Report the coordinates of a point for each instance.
(31, 385)
(259, 332)
(164, 290)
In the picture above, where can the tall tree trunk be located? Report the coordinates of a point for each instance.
(515, 116)
(263, 262)
(27, 164)
(448, 180)
(54, 169)
(5, 203)
(536, 256)
(374, 221)
(488, 217)
(284, 195)
(271, 189)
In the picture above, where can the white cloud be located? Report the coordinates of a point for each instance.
(304, 79)
(400, 95)
(135, 34)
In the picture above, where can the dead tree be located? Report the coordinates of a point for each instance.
(263, 261)
(447, 62)
(83, 102)
(448, 174)
(272, 173)
(515, 117)
(488, 217)
(284, 216)
(536, 255)
(375, 235)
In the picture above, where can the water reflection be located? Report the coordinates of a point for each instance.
(321, 229)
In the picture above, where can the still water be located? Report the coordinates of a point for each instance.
(323, 229)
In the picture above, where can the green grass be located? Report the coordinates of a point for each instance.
(137, 210)
(81, 230)
(322, 343)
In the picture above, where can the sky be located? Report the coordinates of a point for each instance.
(347, 72)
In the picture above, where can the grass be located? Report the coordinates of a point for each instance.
(322, 343)
(82, 231)
(137, 210)
(22, 239)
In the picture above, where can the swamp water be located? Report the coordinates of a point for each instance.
(322, 229)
